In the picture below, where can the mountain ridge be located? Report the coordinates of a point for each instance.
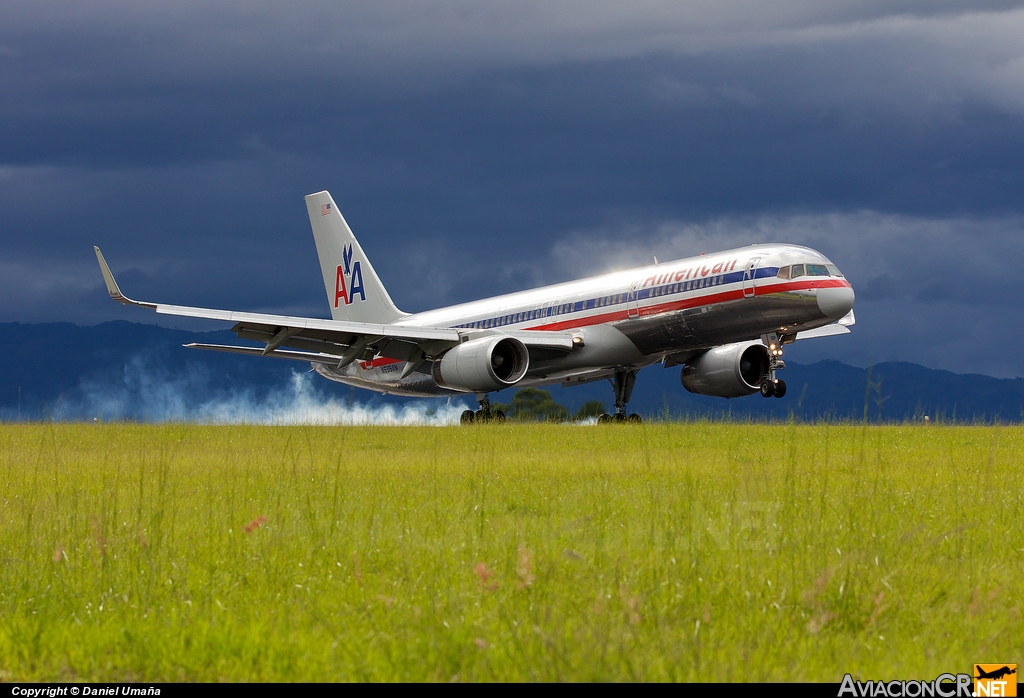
(126, 370)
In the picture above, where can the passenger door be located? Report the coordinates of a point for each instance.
(748, 277)
(633, 301)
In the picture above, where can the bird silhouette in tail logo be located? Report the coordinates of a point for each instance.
(349, 279)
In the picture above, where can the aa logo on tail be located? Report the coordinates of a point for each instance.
(350, 270)
(995, 680)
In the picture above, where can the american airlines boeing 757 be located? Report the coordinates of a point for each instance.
(723, 317)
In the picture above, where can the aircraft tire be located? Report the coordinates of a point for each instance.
(619, 417)
(499, 416)
(482, 416)
(467, 417)
(604, 418)
(634, 418)
(780, 388)
(767, 389)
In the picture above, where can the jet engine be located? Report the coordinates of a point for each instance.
(731, 370)
(482, 365)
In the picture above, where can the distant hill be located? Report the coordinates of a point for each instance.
(122, 370)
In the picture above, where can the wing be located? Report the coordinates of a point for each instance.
(337, 342)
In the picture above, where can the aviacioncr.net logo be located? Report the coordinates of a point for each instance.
(943, 686)
(995, 680)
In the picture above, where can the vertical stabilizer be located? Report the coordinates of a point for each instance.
(353, 290)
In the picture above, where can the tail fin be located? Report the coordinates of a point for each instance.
(353, 289)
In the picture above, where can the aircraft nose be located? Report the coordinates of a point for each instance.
(835, 302)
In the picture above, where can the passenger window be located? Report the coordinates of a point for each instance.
(798, 270)
(784, 273)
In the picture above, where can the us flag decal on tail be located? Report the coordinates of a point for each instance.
(325, 209)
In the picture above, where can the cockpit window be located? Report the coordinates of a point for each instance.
(798, 270)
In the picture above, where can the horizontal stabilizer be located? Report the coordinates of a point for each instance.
(840, 326)
(310, 356)
(826, 331)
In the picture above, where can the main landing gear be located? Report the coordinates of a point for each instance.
(623, 385)
(484, 415)
(773, 385)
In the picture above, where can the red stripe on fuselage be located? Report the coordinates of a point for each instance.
(694, 302)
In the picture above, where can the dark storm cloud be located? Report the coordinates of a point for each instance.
(480, 148)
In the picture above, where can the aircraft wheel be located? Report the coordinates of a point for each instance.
(467, 417)
(634, 418)
(767, 389)
(499, 416)
(619, 417)
(604, 418)
(482, 416)
(780, 388)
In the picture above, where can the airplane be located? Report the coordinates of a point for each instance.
(996, 674)
(723, 317)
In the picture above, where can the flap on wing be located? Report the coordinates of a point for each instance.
(541, 344)
(542, 339)
(335, 327)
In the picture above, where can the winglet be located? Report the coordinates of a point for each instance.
(112, 288)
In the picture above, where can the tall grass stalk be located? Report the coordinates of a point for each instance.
(696, 551)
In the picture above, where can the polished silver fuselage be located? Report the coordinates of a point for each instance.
(629, 319)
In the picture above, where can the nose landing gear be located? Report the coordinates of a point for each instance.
(776, 388)
(773, 385)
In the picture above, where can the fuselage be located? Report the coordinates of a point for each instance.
(637, 317)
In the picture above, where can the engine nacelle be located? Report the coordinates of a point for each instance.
(731, 370)
(482, 365)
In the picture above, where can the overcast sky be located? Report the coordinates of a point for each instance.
(484, 147)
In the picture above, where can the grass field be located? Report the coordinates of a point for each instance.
(687, 552)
